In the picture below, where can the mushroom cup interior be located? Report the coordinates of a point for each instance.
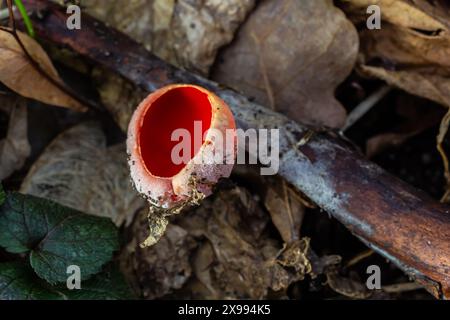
(177, 108)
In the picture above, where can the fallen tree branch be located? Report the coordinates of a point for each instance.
(401, 223)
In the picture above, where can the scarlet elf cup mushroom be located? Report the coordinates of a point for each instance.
(181, 141)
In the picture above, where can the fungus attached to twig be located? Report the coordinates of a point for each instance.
(181, 141)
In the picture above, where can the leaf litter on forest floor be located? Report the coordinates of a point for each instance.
(300, 75)
(18, 73)
(184, 33)
(80, 171)
(162, 268)
(291, 55)
(15, 147)
(50, 175)
(215, 251)
(411, 51)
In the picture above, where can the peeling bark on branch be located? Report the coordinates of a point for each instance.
(401, 223)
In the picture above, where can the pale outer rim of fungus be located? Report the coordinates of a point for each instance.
(159, 191)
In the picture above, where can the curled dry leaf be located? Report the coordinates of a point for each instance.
(413, 47)
(14, 148)
(78, 170)
(17, 72)
(185, 33)
(291, 55)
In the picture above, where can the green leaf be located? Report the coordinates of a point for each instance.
(56, 237)
(19, 282)
(2, 195)
(108, 285)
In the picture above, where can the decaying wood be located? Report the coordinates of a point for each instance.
(401, 223)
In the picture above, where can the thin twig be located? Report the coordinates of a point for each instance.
(402, 287)
(365, 106)
(359, 257)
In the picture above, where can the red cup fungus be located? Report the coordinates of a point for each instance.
(200, 115)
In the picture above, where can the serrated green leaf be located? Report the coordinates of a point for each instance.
(2, 195)
(56, 237)
(19, 282)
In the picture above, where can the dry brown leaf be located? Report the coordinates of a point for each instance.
(413, 46)
(183, 32)
(347, 286)
(15, 148)
(158, 270)
(203, 261)
(241, 271)
(285, 208)
(17, 73)
(425, 83)
(78, 170)
(291, 55)
(406, 13)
